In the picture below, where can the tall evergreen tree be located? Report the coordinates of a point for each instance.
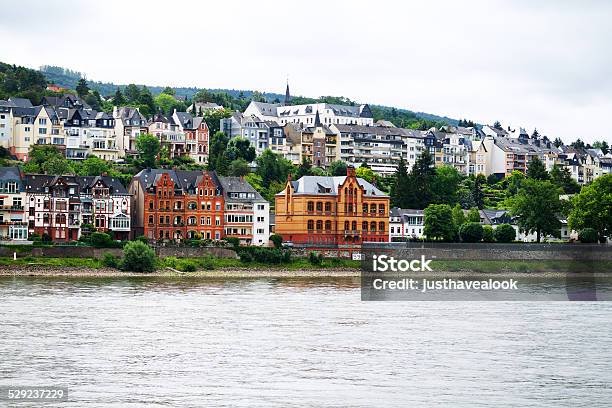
(420, 181)
(536, 169)
(400, 188)
(118, 99)
(82, 88)
(477, 192)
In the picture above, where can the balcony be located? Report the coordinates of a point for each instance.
(16, 208)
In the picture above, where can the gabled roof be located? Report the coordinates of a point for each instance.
(322, 185)
(238, 185)
(21, 102)
(10, 173)
(36, 183)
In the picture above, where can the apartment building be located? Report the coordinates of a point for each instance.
(405, 224)
(340, 212)
(60, 205)
(13, 215)
(177, 205)
(129, 124)
(196, 135)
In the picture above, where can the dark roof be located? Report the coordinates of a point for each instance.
(10, 173)
(21, 102)
(184, 180)
(36, 183)
(238, 185)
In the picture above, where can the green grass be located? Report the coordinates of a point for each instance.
(57, 262)
(209, 263)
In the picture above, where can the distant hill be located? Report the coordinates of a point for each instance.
(67, 78)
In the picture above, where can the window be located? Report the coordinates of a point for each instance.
(150, 219)
(319, 225)
(354, 225)
(364, 226)
(373, 226)
(319, 206)
(261, 207)
(202, 220)
(310, 206)
(381, 226)
(328, 207)
(373, 208)
(346, 225)
(328, 225)
(310, 225)
(365, 208)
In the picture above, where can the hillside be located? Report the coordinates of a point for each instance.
(400, 117)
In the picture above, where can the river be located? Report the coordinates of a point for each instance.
(303, 343)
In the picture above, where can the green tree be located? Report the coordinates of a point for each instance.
(420, 182)
(305, 168)
(446, 185)
(471, 232)
(536, 170)
(119, 99)
(562, 178)
(240, 148)
(169, 91)
(400, 189)
(57, 166)
(477, 192)
(132, 93)
(40, 154)
(93, 166)
(537, 207)
(558, 142)
(277, 240)
(148, 148)
(458, 215)
(269, 168)
(487, 233)
(239, 168)
(592, 208)
(505, 233)
(213, 117)
(218, 145)
(603, 145)
(166, 103)
(145, 99)
(473, 215)
(138, 257)
(82, 88)
(439, 222)
(337, 168)
(367, 174)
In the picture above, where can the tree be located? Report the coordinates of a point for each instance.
(145, 100)
(537, 207)
(166, 103)
(458, 215)
(93, 166)
(132, 93)
(497, 125)
(269, 168)
(367, 174)
(337, 168)
(558, 142)
(592, 208)
(505, 233)
(213, 117)
(138, 257)
(277, 240)
(169, 91)
(218, 145)
(94, 100)
(100, 239)
(536, 170)
(603, 145)
(465, 198)
(420, 181)
(588, 236)
(578, 144)
(445, 185)
(240, 148)
(535, 135)
(40, 154)
(471, 232)
(439, 222)
(82, 88)
(239, 168)
(304, 169)
(118, 99)
(561, 177)
(148, 148)
(473, 215)
(57, 166)
(487, 233)
(514, 182)
(477, 192)
(400, 189)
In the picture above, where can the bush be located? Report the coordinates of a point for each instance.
(100, 240)
(235, 242)
(171, 261)
(207, 264)
(188, 266)
(46, 238)
(142, 239)
(505, 233)
(138, 257)
(588, 236)
(110, 260)
(487, 233)
(471, 232)
(246, 257)
(277, 240)
(315, 259)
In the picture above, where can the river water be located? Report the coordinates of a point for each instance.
(268, 343)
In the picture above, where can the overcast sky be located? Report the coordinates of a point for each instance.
(542, 63)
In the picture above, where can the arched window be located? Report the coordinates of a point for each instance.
(327, 207)
(364, 226)
(365, 207)
(372, 208)
(310, 225)
(354, 225)
(381, 226)
(381, 208)
(319, 206)
(327, 225)
(192, 205)
(150, 205)
(150, 219)
(346, 225)
(319, 225)
(373, 226)
(310, 206)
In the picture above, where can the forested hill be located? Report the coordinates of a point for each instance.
(29, 83)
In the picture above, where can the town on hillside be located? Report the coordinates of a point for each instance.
(319, 175)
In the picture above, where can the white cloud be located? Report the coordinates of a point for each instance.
(541, 65)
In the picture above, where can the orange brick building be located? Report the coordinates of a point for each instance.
(332, 211)
(177, 205)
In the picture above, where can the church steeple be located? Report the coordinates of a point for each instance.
(317, 121)
(287, 101)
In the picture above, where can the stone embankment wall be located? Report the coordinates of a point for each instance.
(91, 252)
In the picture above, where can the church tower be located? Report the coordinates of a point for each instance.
(287, 100)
